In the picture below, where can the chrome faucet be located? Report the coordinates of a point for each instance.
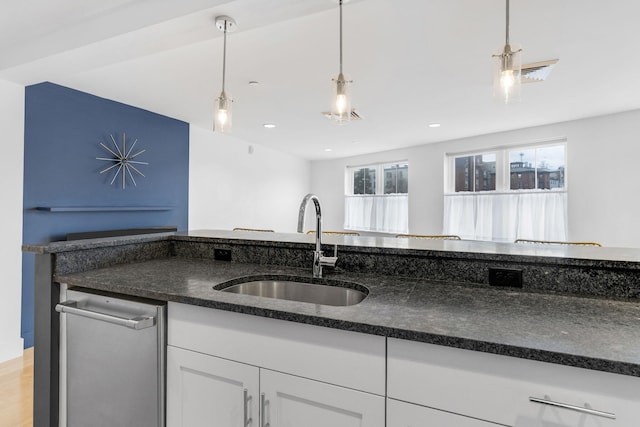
(319, 260)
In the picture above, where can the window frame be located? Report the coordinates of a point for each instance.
(503, 167)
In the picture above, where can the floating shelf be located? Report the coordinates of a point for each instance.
(103, 208)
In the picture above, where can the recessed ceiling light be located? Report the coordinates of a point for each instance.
(434, 125)
(328, 149)
(253, 83)
(269, 125)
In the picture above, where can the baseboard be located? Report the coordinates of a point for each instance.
(11, 349)
(28, 338)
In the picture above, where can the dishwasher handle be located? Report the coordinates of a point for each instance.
(137, 323)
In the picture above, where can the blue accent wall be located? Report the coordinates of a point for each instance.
(63, 129)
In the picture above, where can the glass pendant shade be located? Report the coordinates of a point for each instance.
(341, 99)
(507, 76)
(223, 113)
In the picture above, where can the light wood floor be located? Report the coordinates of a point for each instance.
(16, 391)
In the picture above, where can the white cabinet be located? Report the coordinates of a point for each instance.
(295, 375)
(310, 376)
(209, 391)
(403, 414)
(205, 390)
(500, 389)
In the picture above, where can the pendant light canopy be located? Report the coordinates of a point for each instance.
(341, 90)
(508, 66)
(224, 102)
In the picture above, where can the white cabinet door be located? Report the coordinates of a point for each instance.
(291, 401)
(402, 414)
(208, 391)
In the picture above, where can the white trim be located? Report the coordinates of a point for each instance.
(378, 195)
(532, 143)
(364, 165)
(497, 193)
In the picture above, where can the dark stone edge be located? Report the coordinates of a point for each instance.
(592, 363)
(106, 242)
(564, 359)
(442, 254)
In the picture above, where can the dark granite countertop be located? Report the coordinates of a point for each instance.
(453, 249)
(550, 253)
(593, 333)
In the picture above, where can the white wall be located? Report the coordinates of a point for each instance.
(231, 187)
(603, 173)
(12, 125)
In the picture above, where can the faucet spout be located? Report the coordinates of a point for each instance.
(319, 259)
(301, 213)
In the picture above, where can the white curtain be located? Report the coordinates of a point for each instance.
(385, 214)
(506, 217)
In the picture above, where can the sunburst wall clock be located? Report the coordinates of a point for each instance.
(124, 165)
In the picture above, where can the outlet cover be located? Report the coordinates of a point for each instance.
(509, 277)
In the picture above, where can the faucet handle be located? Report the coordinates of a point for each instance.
(328, 261)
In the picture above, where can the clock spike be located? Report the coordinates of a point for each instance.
(137, 154)
(109, 150)
(131, 176)
(116, 174)
(136, 169)
(116, 145)
(109, 168)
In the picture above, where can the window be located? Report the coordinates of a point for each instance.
(364, 181)
(396, 178)
(380, 179)
(377, 198)
(539, 168)
(520, 168)
(508, 193)
(475, 172)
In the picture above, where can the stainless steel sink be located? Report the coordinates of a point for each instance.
(315, 293)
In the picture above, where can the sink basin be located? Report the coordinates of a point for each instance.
(292, 290)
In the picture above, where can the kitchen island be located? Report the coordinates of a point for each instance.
(578, 307)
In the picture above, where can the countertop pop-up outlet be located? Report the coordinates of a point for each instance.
(222, 254)
(508, 277)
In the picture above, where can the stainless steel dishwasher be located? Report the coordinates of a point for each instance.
(112, 361)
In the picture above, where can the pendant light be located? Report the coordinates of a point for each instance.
(341, 90)
(224, 103)
(507, 75)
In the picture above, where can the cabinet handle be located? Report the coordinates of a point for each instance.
(263, 405)
(247, 420)
(547, 401)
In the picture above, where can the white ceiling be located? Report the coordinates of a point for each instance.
(413, 62)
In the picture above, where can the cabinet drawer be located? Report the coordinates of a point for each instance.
(343, 358)
(498, 388)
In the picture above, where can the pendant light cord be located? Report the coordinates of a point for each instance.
(507, 29)
(224, 55)
(341, 36)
